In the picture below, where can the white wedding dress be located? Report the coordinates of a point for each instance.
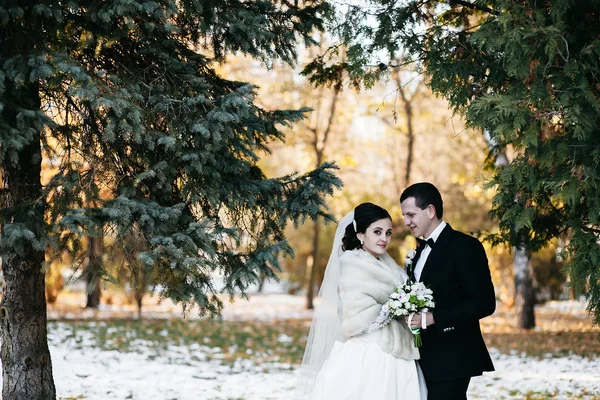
(354, 350)
(359, 369)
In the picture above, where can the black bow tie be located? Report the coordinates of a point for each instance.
(423, 242)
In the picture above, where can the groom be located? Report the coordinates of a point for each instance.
(454, 266)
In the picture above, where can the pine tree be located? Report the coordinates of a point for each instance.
(528, 73)
(123, 99)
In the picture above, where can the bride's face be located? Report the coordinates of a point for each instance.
(377, 237)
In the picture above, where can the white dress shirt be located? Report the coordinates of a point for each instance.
(425, 253)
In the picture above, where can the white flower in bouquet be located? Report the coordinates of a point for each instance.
(411, 298)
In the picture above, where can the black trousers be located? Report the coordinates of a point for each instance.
(447, 390)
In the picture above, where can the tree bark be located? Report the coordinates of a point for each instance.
(139, 297)
(524, 296)
(26, 363)
(261, 283)
(310, 294)
(94, 264)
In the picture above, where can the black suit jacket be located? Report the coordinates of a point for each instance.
(457, 272)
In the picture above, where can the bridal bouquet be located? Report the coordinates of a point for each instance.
(411, 298)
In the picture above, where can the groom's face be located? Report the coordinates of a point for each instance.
(419, 221)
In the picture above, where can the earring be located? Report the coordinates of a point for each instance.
(362, 242)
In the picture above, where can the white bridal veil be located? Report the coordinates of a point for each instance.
(326, 327)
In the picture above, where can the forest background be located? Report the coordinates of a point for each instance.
(382, 140)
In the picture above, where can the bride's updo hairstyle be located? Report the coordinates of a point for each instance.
(364, 215)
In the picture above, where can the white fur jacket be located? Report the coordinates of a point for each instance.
(364, 286)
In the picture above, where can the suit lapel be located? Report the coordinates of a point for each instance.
(436, 256)
(413, 265)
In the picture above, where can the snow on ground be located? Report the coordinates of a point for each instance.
(82, 370)
(110, 375)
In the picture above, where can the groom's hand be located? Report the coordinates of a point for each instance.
(416, 321)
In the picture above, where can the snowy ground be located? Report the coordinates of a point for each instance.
(82, 371)
(110, 375)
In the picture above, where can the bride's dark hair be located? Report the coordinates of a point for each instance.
(364, 215)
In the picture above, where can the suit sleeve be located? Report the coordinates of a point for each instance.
(477, 297)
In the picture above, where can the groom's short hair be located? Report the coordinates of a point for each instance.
(425, 194)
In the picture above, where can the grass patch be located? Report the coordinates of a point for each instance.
(542, 344)
(279, 342)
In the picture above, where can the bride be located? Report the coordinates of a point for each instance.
(355, 351)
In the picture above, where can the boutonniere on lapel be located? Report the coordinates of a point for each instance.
(409, 259)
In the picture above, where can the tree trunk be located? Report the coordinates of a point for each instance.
(26, 363)
(411, 138)
(93, 267)
(261, 283)
(139, 297)
(524, 296)
(407, 102)
(310, 293)
(319, 144)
